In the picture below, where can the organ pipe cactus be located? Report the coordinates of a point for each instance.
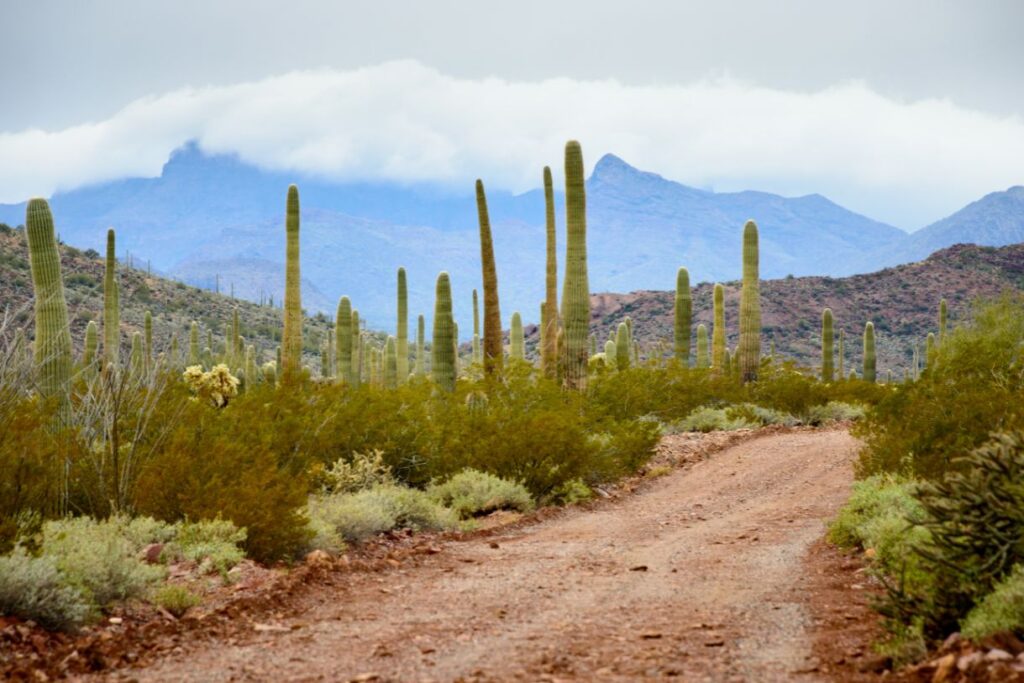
(868, 372)
(827, 350)
(421, 351)
(402, 338)
(683, 316)
(703, 361)
(492, 341)
(111, 305)
(442, 350)
(750, 307)
(291, 341)
(53, 334)
(549, 315)
(576, 286)
(517, 344)
(343, 337)
(718, 350)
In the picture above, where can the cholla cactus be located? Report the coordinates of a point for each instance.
(217, 386)
(270, 372)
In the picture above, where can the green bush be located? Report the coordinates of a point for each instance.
(214, 541)
(174, 598)
(97, 558)
(360, 515)
(362, 471)
(970, 390)
(1002, 610)
(709, 419)
(834, 411)
(755, 414)
(34, 588)
(471, 493)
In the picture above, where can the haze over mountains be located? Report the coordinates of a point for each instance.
(214, 216)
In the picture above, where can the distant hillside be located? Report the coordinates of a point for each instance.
(173, 305)
(901, 301)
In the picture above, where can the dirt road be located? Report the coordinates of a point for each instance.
(695, 577)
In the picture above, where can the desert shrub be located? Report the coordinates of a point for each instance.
(755, 414)
(709, 419)
(834, 411)
(972, 389)
(216, 385)
(569, 493)
(362, 471)
(357, 516)
(174, 598)
(471, 493)
(97, 558)
(1002, 610)
(784, 388)
(34, 588)
(213, 541)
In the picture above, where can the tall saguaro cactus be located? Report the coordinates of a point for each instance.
(402, 338)
(750, 307)
(148, 350)
(343, 340)
(840, 373)
(442, 350)
(683, 316)
(53, 334)
(89, 348)
(492, 347)
(622, 347)
(421, 351)
(703, 361)
(111, 305)
(291, 342)
(193, 344)
(869, 353)
(576, 286)
(943, 316)
(358, 355)
(390, 363)
(477, 352)
(827, 348)
(718, 350)
(549, 317)
(517, 344)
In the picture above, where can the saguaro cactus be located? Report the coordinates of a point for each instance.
(53, 335)
(930, 350)
(492, 346)
(291, 342)
(193, 344)
(148, 349)
(610, 353)
(841, 374)
(343, 340)
(89, 348)
(421, 350)
(869, 353)
(517, 344)
(111, 305)
(718, 350)
(251, 373)
(683, 316)
(827, 348)
(750, 307)
(622, 347)
(402, 332)
(136, 360)
(549, 317)
(390, 363)
(358, 355)
(576, 286)
(703, 361)
(442, 350)
(477, 353)
(943, 314)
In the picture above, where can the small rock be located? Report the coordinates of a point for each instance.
(715, 642)
(151, 553)
(997, 655)
(362, 678)
(116, 620)
(969, 660)
(318, 558)
(639, 568)
(650, 635)
(492, 544)
(270, 628)
(944, 668)
(951, 641)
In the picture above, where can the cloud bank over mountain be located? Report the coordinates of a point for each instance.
(907, 163)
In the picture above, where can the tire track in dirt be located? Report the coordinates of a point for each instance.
(697, 576)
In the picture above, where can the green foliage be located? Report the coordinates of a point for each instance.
(973, 389)
(34, 588)
(576, 286)
(212, 541)
(174, 598)
(361, 471)
(835, 411)
(709, 419)
(472, 493)
(1001, 611)
(357, 516)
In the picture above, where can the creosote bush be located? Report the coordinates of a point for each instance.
(471, 493)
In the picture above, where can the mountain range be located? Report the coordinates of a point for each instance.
(215, 219)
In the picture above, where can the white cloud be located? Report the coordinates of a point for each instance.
(906, 162)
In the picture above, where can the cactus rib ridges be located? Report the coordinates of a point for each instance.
(718, 350)
(576, 286)
(442, 359)
(827, 348)
(517, 343)
(291, 342)
(343, 340)
(703, 360)
(750, 307)
(111, 305)
(549, 318)
(683, 315)
(869, 353)
(492, 340)
(402, 338)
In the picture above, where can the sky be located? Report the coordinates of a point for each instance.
(904, 111)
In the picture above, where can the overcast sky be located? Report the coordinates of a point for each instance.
(900, 110)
